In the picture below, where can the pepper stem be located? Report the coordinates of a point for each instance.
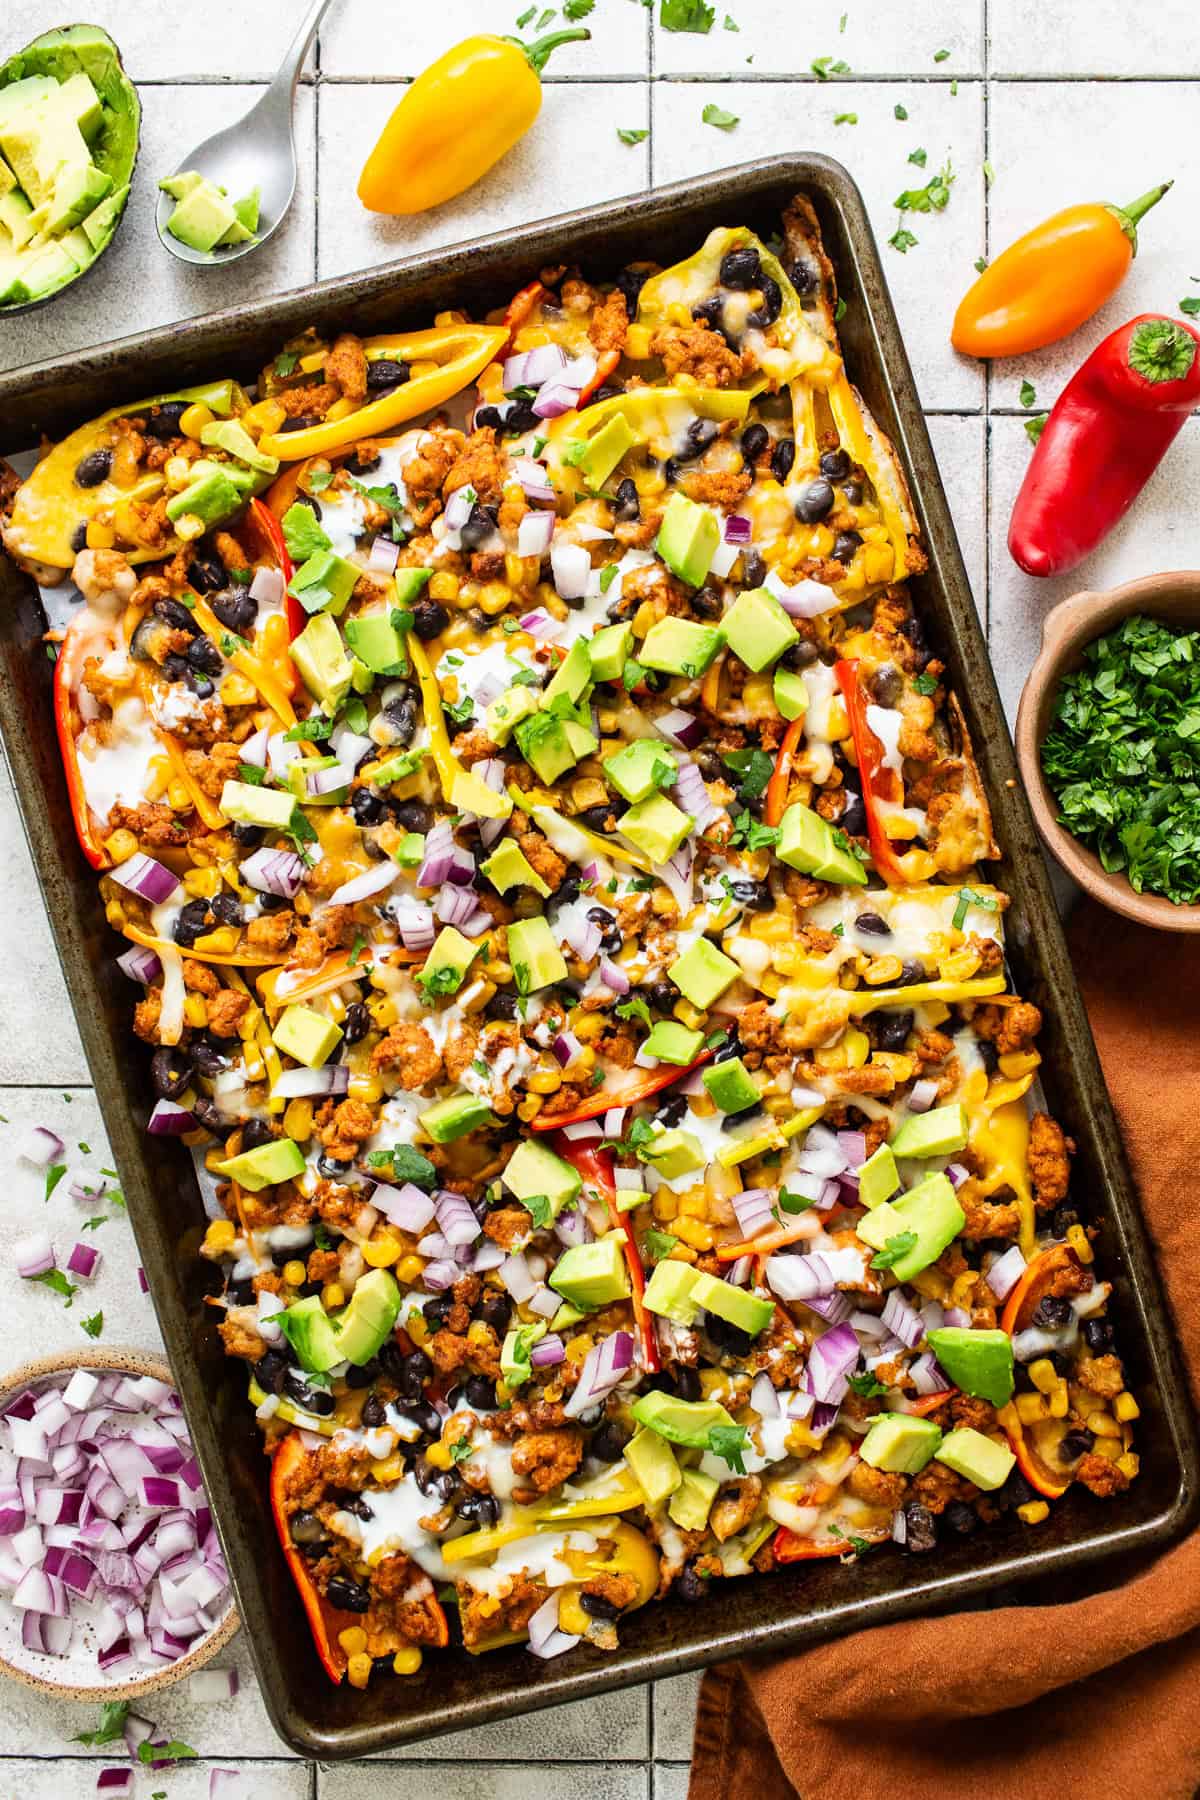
(540, 50)
(1161, 350)
(1128, 217)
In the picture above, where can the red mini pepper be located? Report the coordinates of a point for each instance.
(638, 1084)
(775, 802)
(878, 782)
(68, 724)
(1109, 430)
(598, 1170)
(272, 530)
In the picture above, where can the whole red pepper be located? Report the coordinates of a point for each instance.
(878, 782)
(598, 1170)
(1109, 430)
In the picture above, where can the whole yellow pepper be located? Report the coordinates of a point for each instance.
(461, 115)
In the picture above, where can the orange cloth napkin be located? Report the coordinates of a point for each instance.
(1095, 1696)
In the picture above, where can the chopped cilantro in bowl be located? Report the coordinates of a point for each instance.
(1122, 755)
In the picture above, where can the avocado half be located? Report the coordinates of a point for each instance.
(88, 48)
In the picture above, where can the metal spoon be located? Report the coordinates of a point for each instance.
(258, 151)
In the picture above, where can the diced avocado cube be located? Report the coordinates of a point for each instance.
(325, 582)
(640, 769)
(508, 710)
(652, 1461)
(692, 1500)
(320, 656)
(609, 651)
(39, 144)
(453, 1118)
(245, 804)
(309, 1330)
(670, 1292)
(365, 1325)
(734, 1305)
(201, 219)
(16, 216)
(656, 826)
(533, 1171)
(509, 867)
(469, 793)
(572, 677)
(807, 843)
(536, 959)
(592, 1275)
(8, 180)
(674, 1153)
(930, 1211)
(979, 1459)
(703, 973)
(979, 1362)
(306, 1035)
(409, 584)
(688, 538)
(231, 436)
(672, 1042)
(681, 1421)
(566, 1315)
(264, 1166)
(679, 647)
(212, 498)
(757, 629)
(181, 185)
(581, 740)
(25, 94)
(445, 968)
(878, 1177)
(76, 192)
(98, 226)
(936, 1133)
(791, 694)
(242, 479)
(605, 448)
(375, 641)
(245, 218)
(78, 246)
(514, 1352)
(543, 742)
(410, 851)
(730, 1085)
(900, 1443)
(78, 99)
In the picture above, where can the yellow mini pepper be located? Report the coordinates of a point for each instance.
(458, 118)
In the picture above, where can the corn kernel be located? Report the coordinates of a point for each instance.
(190, 526)
(408, 1269)
(687, 1015)
(353, 1640)
(857, 1046)
(1077, 1237)
(223, 940)
(694, 1204)
(1033, 1512)
(960, 966)
(1109, 1448)
(333, 1295)
(178, 797)
(202, 884)
(298, 1120)
(683, 1253)
(578, 1347)
(1129, 1464)
(771, 928)
(358, 1670)
(219, 1237)
(439, 1455)
(193, 419)
(1126, 1407)
(1043, 1375)
(665, 1204)
(195, 1011)
(100, 537)
(381, 1252)
(443, 586)
(693, 1232)
(121, 845)
(883, 971)
(1031, 1408)
(1060, 1402)
(417, 1328)
(367, 1088)
(1104, 1425)
(590, 1026)
(408, 1660)
(545, 1081)
(530, 1107)
(236, 690)
(295, 1273)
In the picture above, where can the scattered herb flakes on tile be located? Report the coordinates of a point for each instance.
(716, 115)
(920, 157)
(1035, 426)
(900, 112)
(825, 66)
(940, 56)
(729, 24)
(1028, 394)
(845, 118)
(93, 1326)
(630, 135)
(1122, 756)
(989, 173)
(578, 9)
(902, 240)
(981, 263)
(933, 197)
(687, 15)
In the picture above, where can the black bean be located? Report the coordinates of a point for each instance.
(367, 807)
(754, 441)
(306, 1528)
(227, 910)
(844, 546)
(162, 422)
(356, 1023)
(814, 502)
(206, 574)
(711, 312)
(414, 815)
(671, 1111)
(804, 276)
(1051, 1311)
(626, 504)
(663, 996)
(79, 537)
(728, 1049)
(93, 468)
(361, 1375)
(670, 471)
(690, 1586)
(756, 895)
(256, 1133)
(270, 1370)
(990, 1057)
(374, 1412)
(1097, 1335)
(887, 685)
(893, 1029)
(961, 1518)
(741, 269)
(782, 458)
(481, 523)
(687, 1382)
(800, 655)
(698, 437)
(912, 970)
(608, 390)
(921, 1534)
(596, 1606)
(728, 1337)
(852, 493)
(191, 922)
(488, 416)
(608, 1442)
(754, 569)
(1015, 1492)
(1064, 1216)
(208, 1060)
(630, 282)
(480, 1392)
(502, 1005)
(384, 373)
(169, 1073)
(521, 418)
(707, 603)
(1075, 1444)
(331, 1168)
(423, 1414)
(835, 465)
(270, 903)
(481, 1509)
(495, 1309)
(440, 1484)
(417, 1369)
(595, 818)
(200, 685)
(313, 1400)
(237, 609)
(772, 304)
(299, 422)
(247, 835)
(175, 614)
(203, 656)
(430, 619)
(349, 1596)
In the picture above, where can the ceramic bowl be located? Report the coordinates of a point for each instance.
(75, 1675)
(1175, 599)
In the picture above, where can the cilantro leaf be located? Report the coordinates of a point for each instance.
(902, 240)
(577, 9)
(540, 1210)
(93, 1326)
(686, 15)
(752, 833)
(460, 1449)
(730, 1443)
(894, 1249)
(866, 1386)
(900, 112)
(173, 1751)
(716, 115)
(113, 1714)
(933, 197)
(635, 1008)
(1190, 306)
(660, 1244)
(1035, 426)
(628, 135)
(925, 684)
(54, 1175)
(754, 767)
(406, 1164)
(286, 363)
(55, 1279)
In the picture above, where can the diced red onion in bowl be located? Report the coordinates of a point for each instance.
(146, 878)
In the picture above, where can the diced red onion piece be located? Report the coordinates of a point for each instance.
(140, 964)
(278, 872)
(12, 1510)
(267, 588)
(456, 1221)
(738, 1273)
(605, 1366)
(1005, 1272)
(566, 1047)
(224, 1784)
(33, 1255)
(922, 1095)
(579, 371)
(956, 1174)
(958, 1316)
(301, 1084)
(372, 881)
(738, 529)
(159, 1490)
(211, 1686)
(459, 906)
(799, 1277)
(903, 1319)
(548, 1351)
(143, 1284)
(406, 1206)
(41, 1593)
(534, 534)
(170, 1120)
(683, 728)
(763, 1397)
(927, 1377)
(40, 1147)
(899, 1526)
(583, 1131)
(384, 555)
(147, 878)
(692, 796)
(319, 783)
(830, 1361)
(614, 977)
(676, 874)
(753, 1210)
(253, 751)
(853, 1146)
(458, 508)
(614, 1121)
(414, 921)
(540, 625)
(544, 1302)
(554, 399)
(534, 479)
(545, 1638)
(806, 600)
(570, 566)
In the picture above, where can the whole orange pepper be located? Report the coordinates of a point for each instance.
(1050, 281)
(460, 115)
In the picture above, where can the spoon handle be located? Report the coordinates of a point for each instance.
(289, 69)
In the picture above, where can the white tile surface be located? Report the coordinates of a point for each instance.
(1055, 134)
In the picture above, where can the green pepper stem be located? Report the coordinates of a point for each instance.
(538, 53)
(1127, 217)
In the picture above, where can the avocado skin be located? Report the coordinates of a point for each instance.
(60, 53)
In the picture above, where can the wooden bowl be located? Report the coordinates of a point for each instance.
(1175, 599)
(36, 1671)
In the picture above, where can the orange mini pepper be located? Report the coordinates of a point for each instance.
(458, 118)
(1050, 281)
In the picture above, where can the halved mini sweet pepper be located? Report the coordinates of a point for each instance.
(598, 1170)
(68, 723)
(267, 523)
(775, 802)
(790, 1548)
(460, 351)
(631, 1086)
(878, 782)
